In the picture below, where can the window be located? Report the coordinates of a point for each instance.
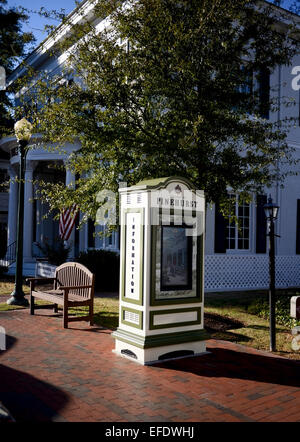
(111, 240)
(246, 86)
(238, 234)
(125, 44)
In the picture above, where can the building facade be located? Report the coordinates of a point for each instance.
(235, 259)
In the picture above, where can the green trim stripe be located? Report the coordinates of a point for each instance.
(161, 339)
(124, 298)
(174, 324)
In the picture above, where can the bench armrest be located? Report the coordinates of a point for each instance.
(40, 279)
(73, 287)
(33, 281)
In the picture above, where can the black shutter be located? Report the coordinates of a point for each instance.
(261, 224)
(298, 229)
(91, 231)
(220, 231)
(298, 111)
(264, 93)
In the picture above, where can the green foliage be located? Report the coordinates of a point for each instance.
(13, 46)
(260, 307)
(105, 265)
(169, 98)
(57, 253)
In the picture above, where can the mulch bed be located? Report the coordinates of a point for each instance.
(217, 323)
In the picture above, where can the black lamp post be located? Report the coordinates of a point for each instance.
(23, 133)
(271, 211)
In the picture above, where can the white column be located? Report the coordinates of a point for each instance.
(28, 210)
(70, 182)
(39, 221)
(12, 207)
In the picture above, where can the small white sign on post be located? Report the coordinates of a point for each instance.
(2, 338)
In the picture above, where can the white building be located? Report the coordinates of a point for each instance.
(232, 261)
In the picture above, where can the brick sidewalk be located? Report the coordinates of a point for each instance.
(48, 373)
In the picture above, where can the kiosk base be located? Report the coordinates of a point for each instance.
(149, 356)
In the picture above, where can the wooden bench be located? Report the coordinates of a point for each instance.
(73, 286)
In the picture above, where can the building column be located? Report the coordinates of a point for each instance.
(70, 182)
(12, 207)
(28, 210)
(39, 219)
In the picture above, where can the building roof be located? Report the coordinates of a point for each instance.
(82, 10)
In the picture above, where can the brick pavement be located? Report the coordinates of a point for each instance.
(48, 373)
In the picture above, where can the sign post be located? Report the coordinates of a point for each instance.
(161, 277)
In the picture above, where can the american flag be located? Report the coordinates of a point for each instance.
(66, 221)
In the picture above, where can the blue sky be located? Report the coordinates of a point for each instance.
(36, 22)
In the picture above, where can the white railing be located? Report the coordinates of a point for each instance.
(249, 272)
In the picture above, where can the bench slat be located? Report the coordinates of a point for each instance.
(74, 287)
(56, 298)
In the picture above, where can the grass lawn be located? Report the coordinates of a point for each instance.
(226, 318)
(106, 308)
(6, 287)
(245, 328)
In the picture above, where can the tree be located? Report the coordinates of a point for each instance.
(167, 89)
(13, 47)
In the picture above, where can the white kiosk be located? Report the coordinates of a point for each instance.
(161, 278)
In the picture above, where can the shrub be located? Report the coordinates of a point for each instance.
(57, 253)
(3, 270)
(105, 265)
(260, 307)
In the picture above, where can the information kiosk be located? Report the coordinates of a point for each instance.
(161, 275)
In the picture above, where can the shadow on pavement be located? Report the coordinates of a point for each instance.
(226, 363)
(26, 397)
(29, 399)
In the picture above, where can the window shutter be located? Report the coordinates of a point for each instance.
(220, 229)
(91, 231)
(261, 224)
(298, 229)
(264, 93)
(298, 110)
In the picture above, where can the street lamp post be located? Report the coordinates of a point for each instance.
(271, 211)
(23, 130)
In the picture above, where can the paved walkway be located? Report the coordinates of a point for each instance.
(48, 373)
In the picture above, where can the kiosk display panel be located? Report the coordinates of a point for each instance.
(176, 259)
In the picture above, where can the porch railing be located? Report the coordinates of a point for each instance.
(10, 255)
